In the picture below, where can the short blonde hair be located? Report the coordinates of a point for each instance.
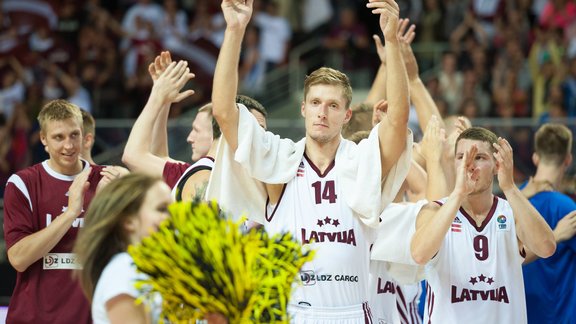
(57, 110)
(329, 76)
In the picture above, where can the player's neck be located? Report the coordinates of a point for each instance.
(213, 147)
(550, 173)
(321, 154)
(70, 171)
(478, 205)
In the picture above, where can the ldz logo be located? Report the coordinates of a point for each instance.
(50, 261)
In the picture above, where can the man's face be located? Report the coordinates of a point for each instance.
(325, 112)
(63, 142)
(200, 138)
(484, 162)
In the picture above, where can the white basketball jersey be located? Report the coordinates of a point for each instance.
(314, 210)
(476, 277)
(383, 289)
(205, 163)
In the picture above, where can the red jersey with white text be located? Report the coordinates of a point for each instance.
(45, 292)
(313, 208)
(477, 273)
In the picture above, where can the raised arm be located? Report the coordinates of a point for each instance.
(531, 228)
(434, 221)
(159, 144)
(434, 138)
(394, 126)
(237, 14)
(421, 98)
(377, 91)
(36, 245)
(166, 89)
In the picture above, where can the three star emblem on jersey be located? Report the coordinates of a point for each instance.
(492, 293)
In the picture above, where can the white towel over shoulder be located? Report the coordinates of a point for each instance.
(262, 157)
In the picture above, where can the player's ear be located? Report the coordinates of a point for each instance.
(88, 140)
(302, 109)
(43, 138)
(348, 115)
(568, 160)
(535, 159)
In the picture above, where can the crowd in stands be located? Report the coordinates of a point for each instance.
(502, 58)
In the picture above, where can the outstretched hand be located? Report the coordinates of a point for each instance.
(159, 65)
(466, 174)
(566, 227)
(406, 35)
(171, 81)
(389, 15)
(379, 111)
(77, 191)
(237, 13)
(504, 157)
(434, 137)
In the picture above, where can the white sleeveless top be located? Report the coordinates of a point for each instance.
(313, 209)
(477, 274)
(204, 163)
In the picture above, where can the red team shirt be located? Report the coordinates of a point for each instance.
(45, 292)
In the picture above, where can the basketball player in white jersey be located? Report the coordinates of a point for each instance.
(473, 242)
(328, 191)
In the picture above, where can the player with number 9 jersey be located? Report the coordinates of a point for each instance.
(477, 273)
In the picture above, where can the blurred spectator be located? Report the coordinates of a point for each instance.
(410, 9)
(560, 14)
(13, 86)
(487, 14)
(20, 128)
(431, 23)
(545, 62)
(275, 34)
(315, 15)
(454, 11)
(471, 88)
(69, 20)
(450, 82)
(349, 37)
(569, 89)
(469, 108)
(5, 145)
(252, 67)
(174, 38)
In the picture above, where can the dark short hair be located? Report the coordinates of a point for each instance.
(478, 134)
(207, 108)
(251, 104)
(553, 142)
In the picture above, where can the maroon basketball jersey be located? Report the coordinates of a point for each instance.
(45, 292)
(173, 171)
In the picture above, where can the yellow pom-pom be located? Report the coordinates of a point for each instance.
(200, 263)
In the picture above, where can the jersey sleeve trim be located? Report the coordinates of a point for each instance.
(19, 183)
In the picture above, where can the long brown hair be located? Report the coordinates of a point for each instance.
(103, 234)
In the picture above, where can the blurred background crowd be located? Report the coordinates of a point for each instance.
(508, 59)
